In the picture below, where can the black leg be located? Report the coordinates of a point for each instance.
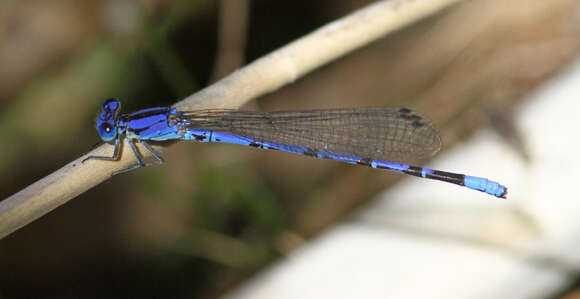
(139, 158)
(114, 157)
(155, 154)
(116, 153)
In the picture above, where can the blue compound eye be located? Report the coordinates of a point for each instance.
(107, 131)
(110, 109)
(107, 120)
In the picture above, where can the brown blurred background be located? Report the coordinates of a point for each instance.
(214, 214)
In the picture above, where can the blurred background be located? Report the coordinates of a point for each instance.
(215, 214)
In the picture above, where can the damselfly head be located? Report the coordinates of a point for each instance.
(106, 123)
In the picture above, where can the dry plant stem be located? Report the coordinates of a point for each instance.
(264, 75)
(232, 33)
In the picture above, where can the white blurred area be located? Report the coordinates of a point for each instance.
(428, 239)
